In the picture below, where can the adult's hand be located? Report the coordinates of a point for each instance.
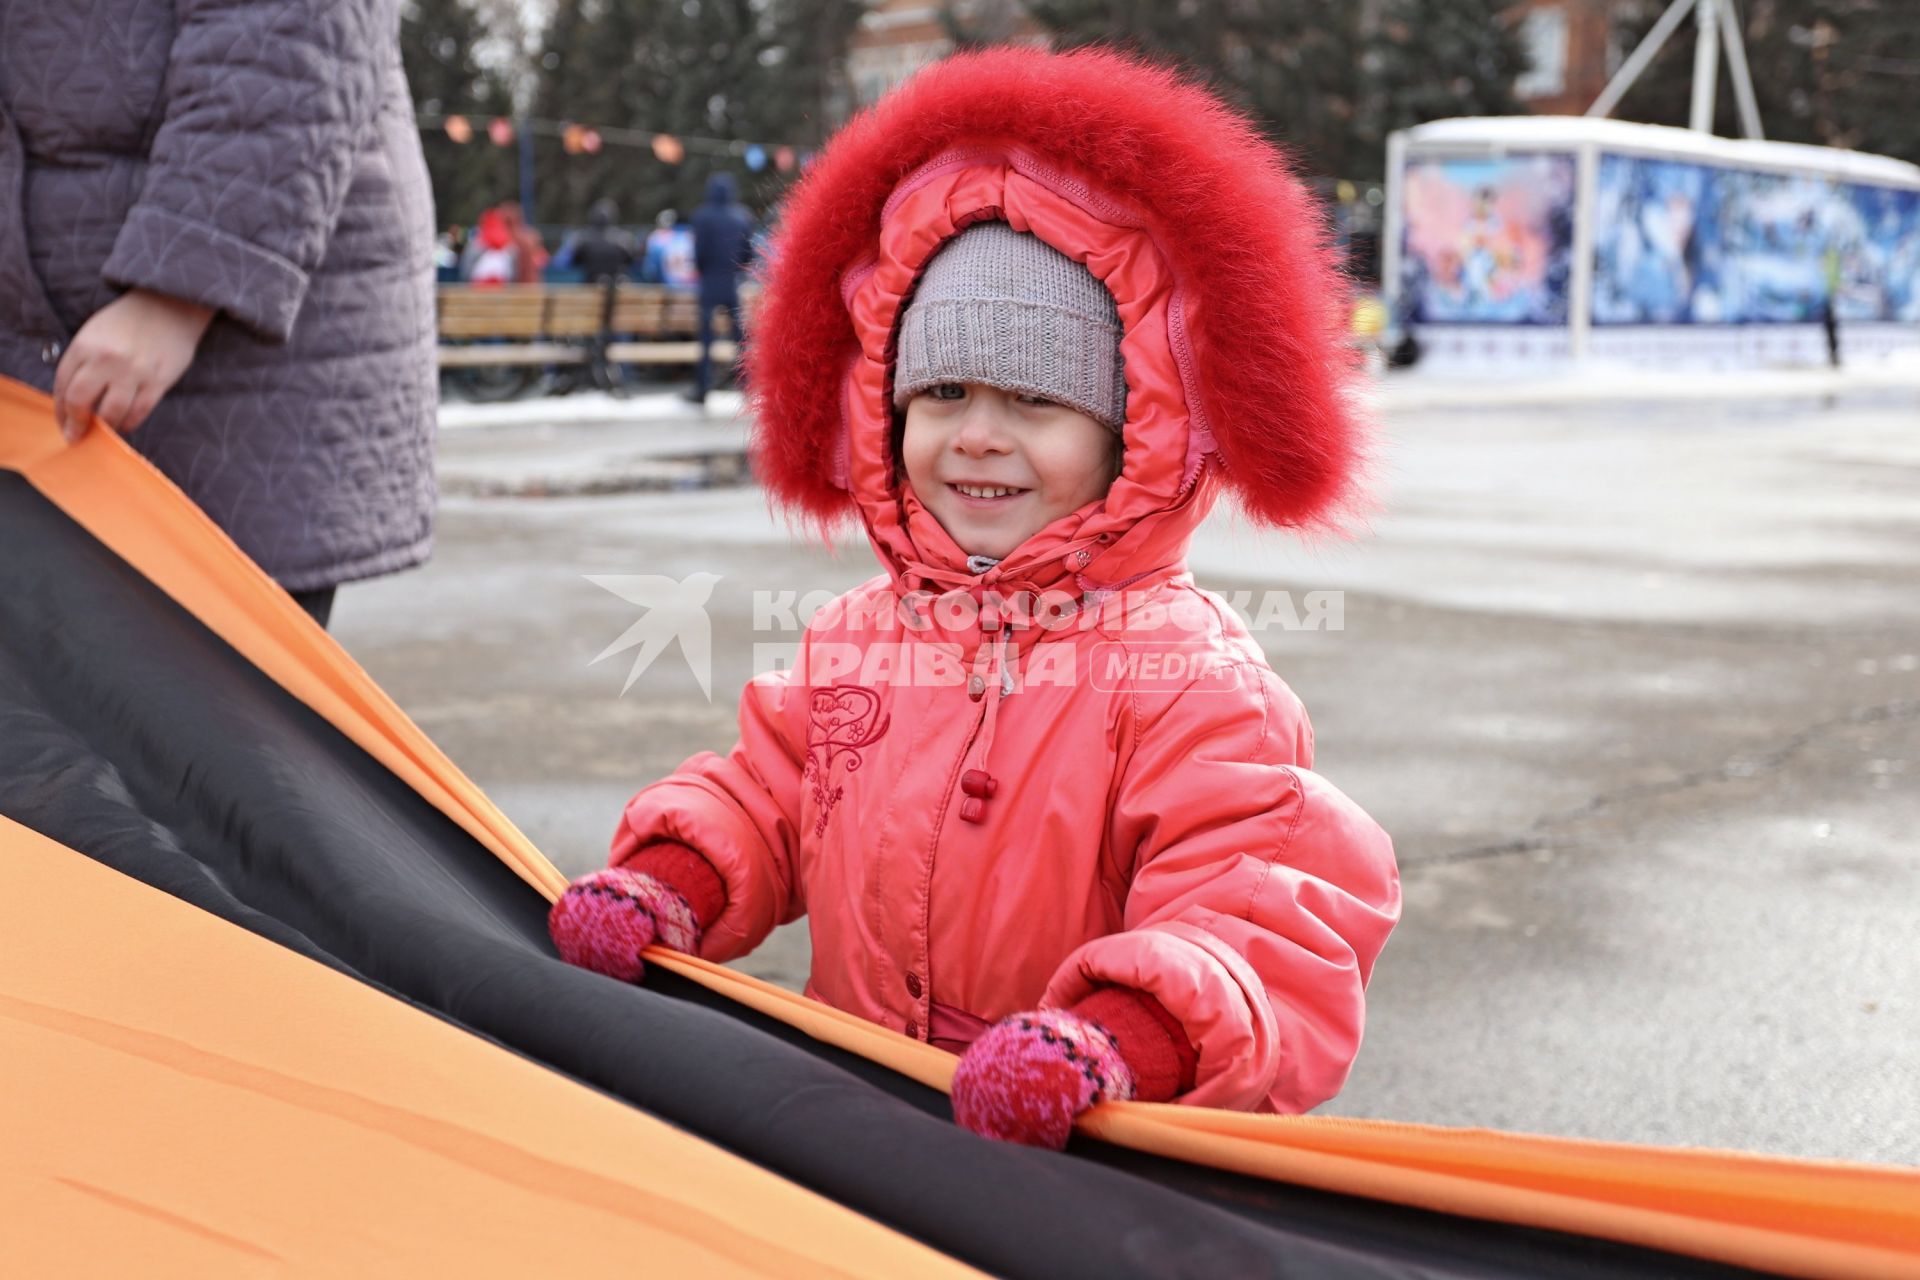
(124, 359)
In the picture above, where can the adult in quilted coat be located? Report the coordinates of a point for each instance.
(252, 166)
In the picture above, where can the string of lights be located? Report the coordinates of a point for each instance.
(585, 139)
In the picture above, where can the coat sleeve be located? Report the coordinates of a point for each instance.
(741, 812)
(1259, 899)
(267, 105)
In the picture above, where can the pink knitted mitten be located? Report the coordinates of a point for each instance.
(606, 918)
(1031, 1074)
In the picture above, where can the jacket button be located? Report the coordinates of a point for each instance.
(50, 353)
(976, 687)
(913, 1030)
(913, 985)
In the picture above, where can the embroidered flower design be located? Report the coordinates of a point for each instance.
(841, 722)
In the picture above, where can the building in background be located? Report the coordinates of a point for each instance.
(898, 37)
(1517, 241)
(1573, 49)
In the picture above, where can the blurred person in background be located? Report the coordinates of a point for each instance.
(603, 251)
(722, 248)
(490, 254)
(447, 252)
(529, 252)
(668, 256)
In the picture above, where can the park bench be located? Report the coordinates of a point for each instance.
(651, 324)
(507, 325)
(554, 323)
(495, 340)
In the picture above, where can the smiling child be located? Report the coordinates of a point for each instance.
(1028, 319)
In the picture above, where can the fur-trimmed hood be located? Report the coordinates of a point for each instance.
(1232, 308)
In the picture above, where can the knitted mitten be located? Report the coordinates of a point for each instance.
(1031, 1074)
(606, 918)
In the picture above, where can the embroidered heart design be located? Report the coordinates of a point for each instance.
(841, 721)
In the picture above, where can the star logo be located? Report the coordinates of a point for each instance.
(674, 610)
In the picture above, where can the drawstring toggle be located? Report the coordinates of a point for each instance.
(979, 786)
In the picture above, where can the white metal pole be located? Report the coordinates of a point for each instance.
(1586, 188)
(1737, 64)
(1630, 71)
(1392, 226)
(1706, 65)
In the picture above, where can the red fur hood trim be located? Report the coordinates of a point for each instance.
(1263, 311)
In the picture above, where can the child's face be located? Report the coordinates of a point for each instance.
(962, 438)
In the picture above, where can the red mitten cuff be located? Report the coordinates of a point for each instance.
(1152, 1041)
(689, 875)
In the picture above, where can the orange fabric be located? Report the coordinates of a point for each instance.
(1798, 1217)
(179, 1096)
(1825, 1220)
(119, 498)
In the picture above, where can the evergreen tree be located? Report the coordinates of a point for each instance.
(571, 86)
(1430, 59)
(437, 43)
(1328, 80)
(1292, 64)
(1838, 73)
(740, 71)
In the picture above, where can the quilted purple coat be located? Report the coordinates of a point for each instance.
(260, 157)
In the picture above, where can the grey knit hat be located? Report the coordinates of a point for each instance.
(1004, 308)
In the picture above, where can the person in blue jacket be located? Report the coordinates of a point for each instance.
(722, 248)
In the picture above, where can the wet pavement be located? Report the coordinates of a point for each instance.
(1635, 686)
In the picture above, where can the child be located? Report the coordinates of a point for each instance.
(1027, 317)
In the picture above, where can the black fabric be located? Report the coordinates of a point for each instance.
(133, 735)
(318, 604)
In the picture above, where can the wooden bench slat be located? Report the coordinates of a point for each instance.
(576, 311)
(528, 324)
(492, 329)
(665, 352)
(499, 353)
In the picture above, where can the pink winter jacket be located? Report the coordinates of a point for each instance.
(979, 811)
